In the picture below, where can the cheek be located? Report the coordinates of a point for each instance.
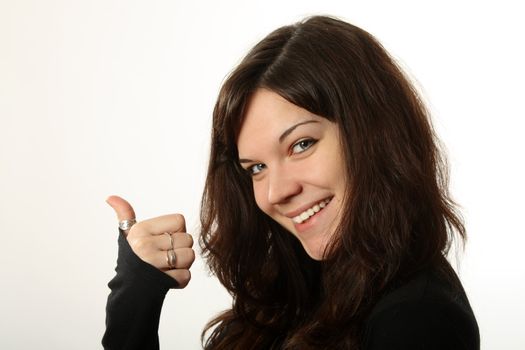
(322, 169)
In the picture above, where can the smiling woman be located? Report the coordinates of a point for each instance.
(295, 161)
(325, 212)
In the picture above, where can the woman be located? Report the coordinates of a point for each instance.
(325, 212)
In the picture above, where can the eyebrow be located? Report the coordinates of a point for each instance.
(292, 128)
(284, 135)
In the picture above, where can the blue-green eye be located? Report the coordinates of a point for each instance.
(256, 168)
(303, 145)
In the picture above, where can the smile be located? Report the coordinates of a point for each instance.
(308, 213)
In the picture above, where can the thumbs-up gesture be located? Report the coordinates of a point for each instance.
(162, 241)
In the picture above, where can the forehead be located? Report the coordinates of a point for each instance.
(267, 115)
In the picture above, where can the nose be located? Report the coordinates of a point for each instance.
(283, 185)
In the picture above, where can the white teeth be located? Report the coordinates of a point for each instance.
(310, 212)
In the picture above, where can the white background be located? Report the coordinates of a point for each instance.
(115, 97)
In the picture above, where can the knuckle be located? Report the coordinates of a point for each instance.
(187, 257)
(179, 219)
(184, 278)
(179, 236)
(139, 243)
(191, 256)
(136, 229)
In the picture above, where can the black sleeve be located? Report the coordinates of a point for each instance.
(423, 326)
(134, 304)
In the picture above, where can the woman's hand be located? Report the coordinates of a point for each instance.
(150, 240)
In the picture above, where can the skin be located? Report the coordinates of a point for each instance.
(149, 241)
(294, 158)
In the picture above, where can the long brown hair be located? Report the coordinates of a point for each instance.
(398, 217)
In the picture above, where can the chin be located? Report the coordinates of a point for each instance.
(314, 246)
(315, 251)
(317, 256)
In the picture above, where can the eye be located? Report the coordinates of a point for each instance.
(255, 169)
(303, 145)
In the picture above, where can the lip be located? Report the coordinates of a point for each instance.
(312, 222)
(294, 213)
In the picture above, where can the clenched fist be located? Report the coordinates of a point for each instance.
(162, 241)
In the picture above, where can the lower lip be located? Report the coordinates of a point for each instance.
(311, 221)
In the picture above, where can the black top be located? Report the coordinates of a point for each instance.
(424, 313)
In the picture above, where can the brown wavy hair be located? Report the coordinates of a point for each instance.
(398, 216)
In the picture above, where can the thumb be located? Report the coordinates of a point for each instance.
(122, 208)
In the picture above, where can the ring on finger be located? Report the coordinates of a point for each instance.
(125, 225)
(172, 244)
(171, 258)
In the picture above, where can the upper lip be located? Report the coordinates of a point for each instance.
(296, 212)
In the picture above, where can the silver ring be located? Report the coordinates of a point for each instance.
(171, 239)
(171, 258)
(125, 225)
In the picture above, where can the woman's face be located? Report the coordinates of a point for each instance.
(295, 160)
